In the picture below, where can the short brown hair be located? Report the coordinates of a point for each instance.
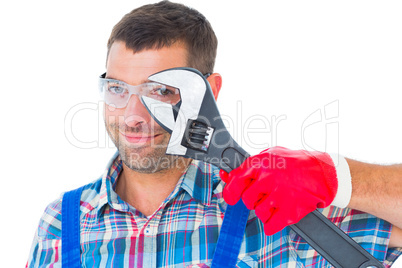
(162, 24)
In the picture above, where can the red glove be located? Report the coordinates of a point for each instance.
(282, 185)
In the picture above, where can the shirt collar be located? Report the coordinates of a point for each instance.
(107, 193)
(200, 181)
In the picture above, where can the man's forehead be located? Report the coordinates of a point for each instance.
(135, 68)
(176, 52)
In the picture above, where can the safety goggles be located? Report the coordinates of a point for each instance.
(118, 93)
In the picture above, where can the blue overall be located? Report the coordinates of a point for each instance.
(226, 252)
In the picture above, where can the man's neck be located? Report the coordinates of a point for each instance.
(146, 192)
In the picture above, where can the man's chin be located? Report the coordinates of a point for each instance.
(147, 161)
(142, 149)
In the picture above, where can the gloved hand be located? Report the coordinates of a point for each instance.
(282, 185)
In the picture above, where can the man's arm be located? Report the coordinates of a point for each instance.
(377, 189)
(46, 246)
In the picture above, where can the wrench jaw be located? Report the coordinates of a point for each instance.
(193, 87)
(197, 130)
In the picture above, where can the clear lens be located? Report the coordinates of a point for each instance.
(117, 93)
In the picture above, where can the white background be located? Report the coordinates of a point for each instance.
(281, 59)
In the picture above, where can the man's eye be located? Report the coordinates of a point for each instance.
(163, 91)
(116, 90)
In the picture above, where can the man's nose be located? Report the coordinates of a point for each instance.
(135, 113)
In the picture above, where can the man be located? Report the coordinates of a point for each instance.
(154, 210)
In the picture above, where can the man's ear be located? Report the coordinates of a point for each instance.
(215, 80)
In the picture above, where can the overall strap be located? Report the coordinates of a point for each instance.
(231, 236)
(70, 228)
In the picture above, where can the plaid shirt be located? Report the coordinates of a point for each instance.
(183, 232)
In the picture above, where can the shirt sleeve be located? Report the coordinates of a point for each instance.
(46, 245)
(370, 232)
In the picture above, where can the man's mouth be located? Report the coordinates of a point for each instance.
(139, 137)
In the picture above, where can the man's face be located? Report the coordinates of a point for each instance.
(141, 141)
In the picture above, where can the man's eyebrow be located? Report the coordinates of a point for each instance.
(142, 81)
(109, 77)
